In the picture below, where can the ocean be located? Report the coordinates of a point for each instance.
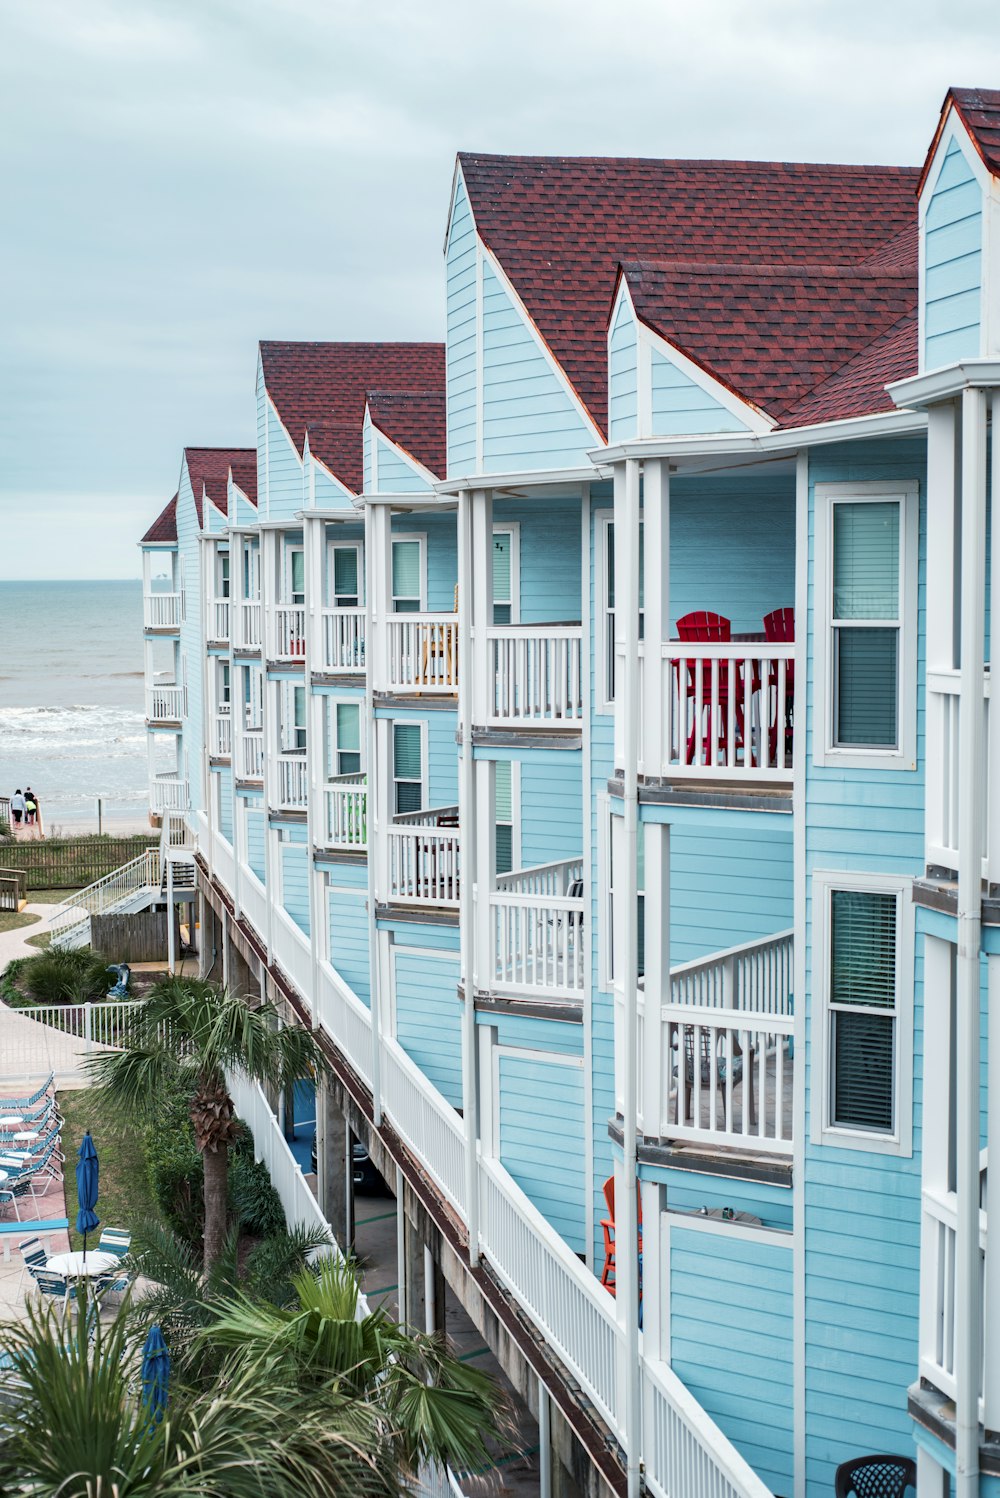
(72, 711)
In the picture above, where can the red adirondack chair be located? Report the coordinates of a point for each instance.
(711, 628)
(779, 627)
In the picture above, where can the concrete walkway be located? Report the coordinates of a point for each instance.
(15, 943)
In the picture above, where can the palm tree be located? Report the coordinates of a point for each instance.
(73, 1422)
(190, 1034)
(428, 1407)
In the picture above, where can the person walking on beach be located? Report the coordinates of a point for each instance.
(30, 806)
(18, 806)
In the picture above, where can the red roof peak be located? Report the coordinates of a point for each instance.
(208, 470)
(979, 110)
(164, 527)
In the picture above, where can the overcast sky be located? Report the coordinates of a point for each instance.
(183, 178)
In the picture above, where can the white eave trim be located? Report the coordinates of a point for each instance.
(519, 479)
(752, 416)
(949, 380)
(420, 471)
(786, 439)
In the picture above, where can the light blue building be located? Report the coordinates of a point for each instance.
(586, 726)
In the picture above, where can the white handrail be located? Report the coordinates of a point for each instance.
(161, 610)
(249, 624)
(251, 766)
(141, 872)
(422, 653)
(164, 704)
(293, 781)
(536, 674)
(289, 622)
(756, 977)
(218, 614)
(343, 639)
(727, 710)
(542, 878)
(424, 864)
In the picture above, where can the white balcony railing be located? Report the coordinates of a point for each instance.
(939, 1328)
(941, 833)
(250, 631)
(218, 619)
(293, 782)
(347, 814)
(539, 941)
(289, 632)
(161, 610)
(424, 858)
(536, 674)
(164, 704)
(222, 735)
(251, 754)
(344, 640)
(422, 653)
(728, 711)
(168, 793)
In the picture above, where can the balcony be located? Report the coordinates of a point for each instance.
(422, 653)
(424, 857)
(293, 782)
(218, 619)
(538, 933)
(727, 711)
(161, 611)
(943, 698)
(168, 792)
(222, 735)
(164, 705)
(940, 1326)
(248, 613)
(344, 640)
(536, 676)
(288, 642)
(347, 814)
(251, 755)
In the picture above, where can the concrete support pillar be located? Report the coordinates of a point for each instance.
(334, 1179)
(435, 1305)
(206, 935)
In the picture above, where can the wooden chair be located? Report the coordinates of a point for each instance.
(712, 629)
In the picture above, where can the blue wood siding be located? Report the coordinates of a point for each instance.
(730, 882)
(732, 548)
(295, 883)
(862, 1210)
(535, 1034)
(623, 375)
(690, 1190)
(679, 406)
(541, 1138)
(368, 444)
(549, 558)
(461, 336)
(330, 495)
(226, 802)
(255, 840)
(348, 927)
(731, 1342)
(429, 1017)
(953, 238)
(396, 473)
(284, 470)
(551, 806)
(442, 556)
(529, 421)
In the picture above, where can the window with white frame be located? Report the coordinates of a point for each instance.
(504, 575)
(223, 686)
(344, 576)
(407, 575)
(866, 570)
(503, 814)
(295, 575)
(407, 767)
(863, 1051)
(293, 717)
(345, 722)
(251, 571)
(605, 587)
(222, 574)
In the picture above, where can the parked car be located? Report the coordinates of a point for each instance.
(367, 1179)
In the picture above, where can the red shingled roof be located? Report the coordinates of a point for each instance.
(560, 227)
(416, 420)
(859, 388)
(979, 111)
(245, 474)
(770, 332)
(208, 469)
(322, 387)
(164, 527)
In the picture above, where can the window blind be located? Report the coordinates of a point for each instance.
(867, 671)
(345, 572)
(504, 817)
(504, 811)
(406, 751)
(863, 1066)
(866, 561)
(348, 726)
(406, 570)
(866, 656)
(863, 949)
(298, 569)
(501, 566)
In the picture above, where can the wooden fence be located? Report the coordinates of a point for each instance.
(71, 863)
(12, 889)
(139, 937)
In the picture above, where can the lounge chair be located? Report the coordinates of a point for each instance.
(115, 1241)
(18, 1104)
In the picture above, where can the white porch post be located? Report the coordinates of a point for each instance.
(378, 561)
(378, 568)
(943, 595)
(991, 1372)
(480, 580)
(270, 713)
(656, 983)
(469, 897)
(171, 925)
(971, 824)
(312, 540)
(656, 610)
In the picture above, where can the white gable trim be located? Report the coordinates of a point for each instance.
(954, 132)
(314, 461)
(486, 255)
(643, 374)
(752, 417)
(408, 458)
(458, 179)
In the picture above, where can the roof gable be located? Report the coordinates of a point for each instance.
(208, 473)
(979, 111)
(164, 527)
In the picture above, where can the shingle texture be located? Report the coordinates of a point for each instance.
(746, 245)
(245, 474)
(322, 387)
(416, 420)
(164, 527)
(208, 469)
(980, 112)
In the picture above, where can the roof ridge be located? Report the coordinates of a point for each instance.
(833, 270)
(689, 163)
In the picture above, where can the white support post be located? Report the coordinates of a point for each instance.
(544, 1443)
(993, 733)
(480, 581)
(171, 920)
(626, 894)
(991, 1372)
(655, 1313)
(943, 594)
(430, 1293)
(971, 825)
(484, 774)
(312, 540)
(468, 581)
(656, 836)
(402, 1308)
(378, 568)
(656, 611)
(225, 948)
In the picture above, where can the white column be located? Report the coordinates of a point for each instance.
(943, 599)
(312, 538)
(171, 919)
(485, 840)
(656, 610)
(480, 581)
(657, 978)
(378, 593)
(991, 1376)
(468, 894)
(971, 826)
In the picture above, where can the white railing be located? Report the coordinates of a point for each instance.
(251, 757)
(343, 639)
(536, 674)
(684, 1451)
(289, 626)
(421, 1117)
(253, 899)
(175, 833)
(300, 1205)
(424, 859)
(167, 792)
(727, 711)
(344, 1017)
(347, 813)
(250, 633)
(222, 735)
(422, 653)
(574, 1312)
(293, 954)
(539, 939)
(293, 782)
(103, 1023)
(161, 610)
(941, 834)
(939, 1329)
(218, 619)
(164, 704)
(756, 977)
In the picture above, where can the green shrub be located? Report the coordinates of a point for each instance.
(174, 1169)
(253, 1201)
(61, 976)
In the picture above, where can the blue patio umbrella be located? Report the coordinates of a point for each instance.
(86, 1188)
(155, 1374)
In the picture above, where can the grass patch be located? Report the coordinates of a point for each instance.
(41, 941)
(125, 1200)
(11, 920)
(50, 896)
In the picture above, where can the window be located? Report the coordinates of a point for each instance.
(347, 730)
(866, 675)
(223, 574)
(606, 603)
(503, 806)
(224, 687)
(407, 569)
(251, 572)
(407, 767)
(864, 1057)
(345, 576)
(293, 718)
(503, 598)
(296, 575)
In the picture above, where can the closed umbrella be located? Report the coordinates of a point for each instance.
(155, 1374)
(86, 1188)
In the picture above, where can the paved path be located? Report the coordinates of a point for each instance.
(15, 943)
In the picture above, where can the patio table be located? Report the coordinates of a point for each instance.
(10, 1118)
(78, 1265)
